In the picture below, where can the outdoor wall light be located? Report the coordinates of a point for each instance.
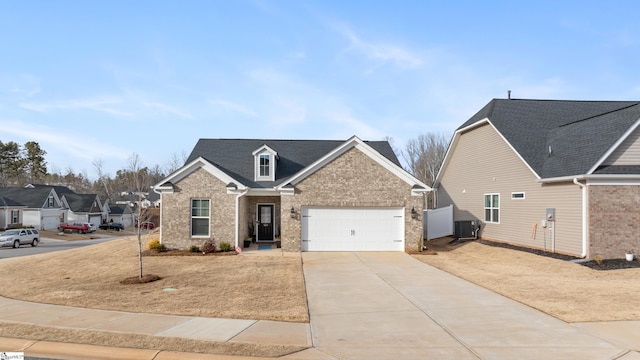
(414, 213)
(293, 212)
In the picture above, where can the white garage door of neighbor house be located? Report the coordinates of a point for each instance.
(50, 222)
(352, 229)
(96, 220)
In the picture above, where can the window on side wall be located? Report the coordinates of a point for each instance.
(15, 216)
(200, 210)
(492, 208)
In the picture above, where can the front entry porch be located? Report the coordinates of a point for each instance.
(262, 219)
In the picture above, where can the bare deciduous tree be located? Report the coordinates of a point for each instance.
(424, 156)
(175, 162)
(138, 181)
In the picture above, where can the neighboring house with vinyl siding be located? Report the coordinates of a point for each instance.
(516, 159)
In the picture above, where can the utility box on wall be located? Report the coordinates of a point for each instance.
(550, 214)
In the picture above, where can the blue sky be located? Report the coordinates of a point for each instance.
(100, 80)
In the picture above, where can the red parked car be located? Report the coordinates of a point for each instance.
(148, 225)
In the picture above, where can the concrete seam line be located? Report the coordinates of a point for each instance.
(423, 311)
(156, 354)
(306, 297)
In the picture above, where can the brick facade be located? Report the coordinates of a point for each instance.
(351, 180)
(176, 211)
(614, 220)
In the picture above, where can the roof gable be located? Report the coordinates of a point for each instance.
(87, 203)
(234, 157)
(557, 138)
(355, 142)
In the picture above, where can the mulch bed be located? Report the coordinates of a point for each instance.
(607, 264)
(147, 278)
(185, 253)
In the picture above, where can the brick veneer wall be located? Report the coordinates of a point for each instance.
(614, 220)
(176, 211)
(351, 180)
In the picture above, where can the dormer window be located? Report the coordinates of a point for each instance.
(265, 164)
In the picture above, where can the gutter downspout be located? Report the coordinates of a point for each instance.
(159, 193)
(238, 215)
(583, 188)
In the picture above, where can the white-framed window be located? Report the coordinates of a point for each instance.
(264, 166)
(265, 159)
(517, 196)
(492, 208)
(15, 216)
(200, 217)
(50, 201)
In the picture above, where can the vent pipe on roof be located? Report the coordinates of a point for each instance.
(509, 94)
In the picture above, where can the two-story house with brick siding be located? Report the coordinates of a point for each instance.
(312, 195)
(573, 164)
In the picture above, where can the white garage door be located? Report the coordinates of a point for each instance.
(352, 229)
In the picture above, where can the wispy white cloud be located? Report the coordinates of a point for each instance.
(233, 107)
(101, 104)
(380, 53)
(82, 147)
(168, 109)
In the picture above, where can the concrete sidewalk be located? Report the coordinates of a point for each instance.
(389, 305)
(184, 327)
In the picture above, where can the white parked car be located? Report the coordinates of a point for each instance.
(91, 227)
(17, 237)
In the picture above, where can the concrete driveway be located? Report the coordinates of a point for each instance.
(391, 306)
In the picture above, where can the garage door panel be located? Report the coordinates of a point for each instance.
(353, 229)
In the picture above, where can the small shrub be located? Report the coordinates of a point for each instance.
(209, 246)
(153, 244)
(225, 246)
(598, 259)
(156, 245)
(194, 249)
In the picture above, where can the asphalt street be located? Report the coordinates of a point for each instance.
(49, 245)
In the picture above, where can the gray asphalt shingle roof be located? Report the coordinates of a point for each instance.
(234, 156)
(578, 132)
(82, 202)
(6, 202)
(32, 198)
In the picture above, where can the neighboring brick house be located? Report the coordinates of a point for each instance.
(517, 162)
(312, 195)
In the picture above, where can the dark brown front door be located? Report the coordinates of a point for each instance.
(265, 223)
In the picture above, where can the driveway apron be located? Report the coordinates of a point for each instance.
(384, 305)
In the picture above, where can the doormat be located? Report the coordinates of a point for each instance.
(264, 247)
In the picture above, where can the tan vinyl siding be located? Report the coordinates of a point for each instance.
(628, 153)
(483, 163)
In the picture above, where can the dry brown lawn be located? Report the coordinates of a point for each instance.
(568, 291)
(241, 287)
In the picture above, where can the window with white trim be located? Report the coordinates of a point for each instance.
(264, 165)
(264, 159)
(200, 217)
(15, 216)
(50, 201)
(517, 196)
(492, 208)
